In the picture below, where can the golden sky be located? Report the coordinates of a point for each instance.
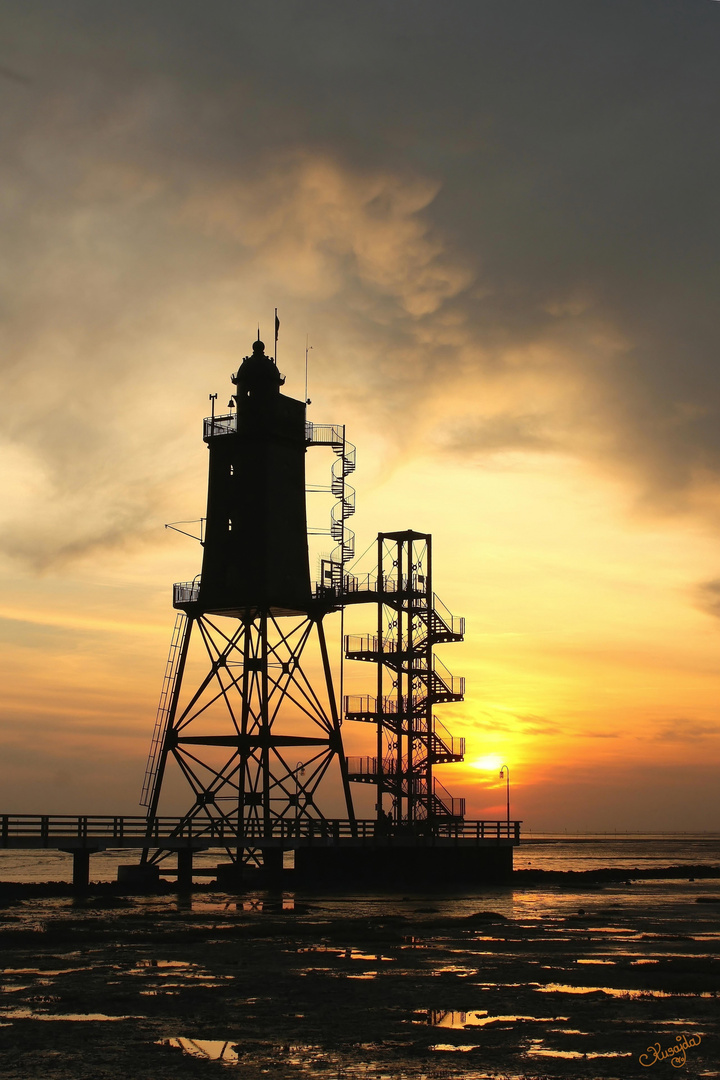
(497, 223)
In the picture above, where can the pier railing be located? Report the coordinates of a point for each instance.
(53, 831)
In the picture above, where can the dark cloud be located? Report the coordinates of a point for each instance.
(14, 76)
(501, 216)
(707, 595)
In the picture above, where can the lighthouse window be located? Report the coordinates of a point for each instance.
(229, 524)
(232, 470)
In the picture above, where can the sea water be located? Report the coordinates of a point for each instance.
(538, 851)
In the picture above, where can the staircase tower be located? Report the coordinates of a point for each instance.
(410, 682)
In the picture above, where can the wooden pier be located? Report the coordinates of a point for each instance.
(326, 850)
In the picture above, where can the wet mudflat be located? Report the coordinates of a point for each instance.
(537, 982)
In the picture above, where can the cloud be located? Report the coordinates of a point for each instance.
(497, 434)
(502, 219)
(93, 450)
(14, 76)
(521, 724)
(707, 597)
(318, 228)
(538, 725)
(685, 730)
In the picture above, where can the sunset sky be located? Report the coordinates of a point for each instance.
(497, 221)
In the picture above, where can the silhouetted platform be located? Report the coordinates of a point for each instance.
(327, 851)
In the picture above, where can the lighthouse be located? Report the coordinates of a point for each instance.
(254, 732)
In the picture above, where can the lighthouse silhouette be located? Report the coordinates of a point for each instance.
(255, 730)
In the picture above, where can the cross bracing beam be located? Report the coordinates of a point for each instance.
(266, 692)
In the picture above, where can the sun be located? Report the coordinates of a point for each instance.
(488, 763)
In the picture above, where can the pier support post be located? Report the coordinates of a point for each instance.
(81, 866)
(272, 869)
(185, 869)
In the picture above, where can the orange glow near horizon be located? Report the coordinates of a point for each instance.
(572, 678)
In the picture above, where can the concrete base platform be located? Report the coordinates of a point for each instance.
(230, 875)
(271, 873)
(404, 867)
(138, 876)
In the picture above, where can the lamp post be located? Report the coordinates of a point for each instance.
(299, 771)
(506, 771)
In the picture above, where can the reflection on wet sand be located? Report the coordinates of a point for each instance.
(209, 1049)
(461, 1020)
(30, 1014)
(451, 1047)
(358, 987)
(537, 1051)
(563, 988)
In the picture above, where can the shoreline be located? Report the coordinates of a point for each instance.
(16, 890)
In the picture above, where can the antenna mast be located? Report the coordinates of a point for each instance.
(307, 350)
